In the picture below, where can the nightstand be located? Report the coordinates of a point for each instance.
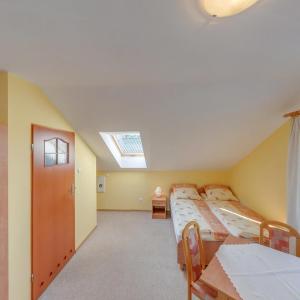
(159, 207)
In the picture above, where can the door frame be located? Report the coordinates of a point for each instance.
(4, 212)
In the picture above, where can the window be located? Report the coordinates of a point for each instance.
(129, 144)
(56, 152)
(62, 152)
(50, 152)
(126, 147)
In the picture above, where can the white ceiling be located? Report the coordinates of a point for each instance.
(202, 91)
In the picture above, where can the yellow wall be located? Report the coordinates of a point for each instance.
(27, 104)
(123, 189)
(85, 194)
(3, 97)
(259, 180)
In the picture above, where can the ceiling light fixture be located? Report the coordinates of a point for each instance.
(226, 8)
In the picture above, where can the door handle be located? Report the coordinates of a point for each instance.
(72, 189)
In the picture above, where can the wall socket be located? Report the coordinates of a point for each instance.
(141, 199)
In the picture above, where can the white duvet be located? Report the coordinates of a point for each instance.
(184, 211)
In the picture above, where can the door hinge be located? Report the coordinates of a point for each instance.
(32, 147)
(32, 277)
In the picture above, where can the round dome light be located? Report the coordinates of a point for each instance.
(226, 8)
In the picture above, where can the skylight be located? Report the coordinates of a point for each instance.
(129, 143)
(126, 148)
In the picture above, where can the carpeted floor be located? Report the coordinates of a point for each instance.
(129, 256)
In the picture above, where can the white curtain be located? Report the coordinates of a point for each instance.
(293, 188)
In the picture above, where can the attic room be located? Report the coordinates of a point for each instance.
(149, 150)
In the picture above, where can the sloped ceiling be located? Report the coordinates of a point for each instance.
(202, 91)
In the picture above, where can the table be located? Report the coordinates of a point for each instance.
(215, 277)
(159, 207)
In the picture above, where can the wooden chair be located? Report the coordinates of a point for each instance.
(280, 236)
(195, 262)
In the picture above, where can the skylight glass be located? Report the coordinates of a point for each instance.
(126, 148)
(129, 143)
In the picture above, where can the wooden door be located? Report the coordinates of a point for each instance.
(53, 215)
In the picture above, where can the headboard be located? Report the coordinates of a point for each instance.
(179, 185)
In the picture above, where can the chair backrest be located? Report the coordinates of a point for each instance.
(280, 236)
(193, 251)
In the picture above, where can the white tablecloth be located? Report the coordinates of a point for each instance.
(259, 272)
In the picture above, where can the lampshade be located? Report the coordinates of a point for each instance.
(158, 191)
(225, 8)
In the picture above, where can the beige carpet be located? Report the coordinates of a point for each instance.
(129, 256)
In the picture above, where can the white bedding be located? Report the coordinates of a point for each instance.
(234, 221)
(184, 211)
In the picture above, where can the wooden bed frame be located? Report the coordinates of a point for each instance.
(211, 247)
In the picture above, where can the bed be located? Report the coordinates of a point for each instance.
(217, 219)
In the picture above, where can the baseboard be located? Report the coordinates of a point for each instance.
(125, 210)
(90, 233)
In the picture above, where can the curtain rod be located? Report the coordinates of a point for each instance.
(292, 114)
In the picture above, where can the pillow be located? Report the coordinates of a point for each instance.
(186, 193)
(220, 192)
(203, 196)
